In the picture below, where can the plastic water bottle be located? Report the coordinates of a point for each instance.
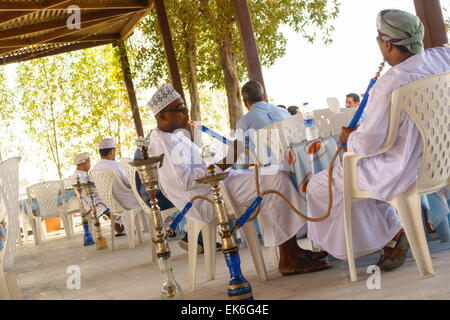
(310, 124)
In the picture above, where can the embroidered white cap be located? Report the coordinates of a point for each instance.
(162, 98)
(81, 158)
(106, 144)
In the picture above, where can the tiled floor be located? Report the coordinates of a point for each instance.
(130, 274)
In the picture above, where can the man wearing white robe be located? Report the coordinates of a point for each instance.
(83, 163)
(182, 164)
(107, 149)
(375, 223)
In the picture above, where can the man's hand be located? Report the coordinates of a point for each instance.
(345, 134)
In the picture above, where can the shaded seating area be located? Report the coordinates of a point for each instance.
(35, 31)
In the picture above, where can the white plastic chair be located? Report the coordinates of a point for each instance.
(72, 205)
(9, 197)
(131, 175)
(104, 181)
(425, 101)
(209, 234)
(46, 194)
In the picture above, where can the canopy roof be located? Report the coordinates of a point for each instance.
(32, 29)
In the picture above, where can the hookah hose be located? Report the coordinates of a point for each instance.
(256, 204)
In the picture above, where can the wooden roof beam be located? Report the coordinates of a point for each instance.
(50, 52)
(12, 45)
(62, 23)
(60, 33)
(17, 13)
(63, 4)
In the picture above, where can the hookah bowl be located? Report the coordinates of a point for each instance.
(87, 234)
(148, 172)
(100, 241)
(238, 287)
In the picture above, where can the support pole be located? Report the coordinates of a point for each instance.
(130, 88)
(168, 47)
(430, 13)
(248, 41)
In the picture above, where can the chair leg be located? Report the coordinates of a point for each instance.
(347, 208)
(273, 250)
(137, 221)
(209, 232)
(409, 210)
(129, 229)
(66, 225)
(112, 224)
(193, 228)
(251, 237)
(43, 229)
(35, 227)
(12, 287)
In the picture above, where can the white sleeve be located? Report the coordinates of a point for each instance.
(181, 161)
(370, 135)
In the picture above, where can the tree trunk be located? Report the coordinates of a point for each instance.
(228, 62)
(192, 80)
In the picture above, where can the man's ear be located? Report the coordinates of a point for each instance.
(265, 98)
(389, 46)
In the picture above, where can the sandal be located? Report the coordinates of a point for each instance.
(308, 266)
(315, 256)
(393, 257)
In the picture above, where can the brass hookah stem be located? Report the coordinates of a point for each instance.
(162, 248)
(228, 242)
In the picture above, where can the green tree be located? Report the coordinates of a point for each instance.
(207, 42)
(70, 102)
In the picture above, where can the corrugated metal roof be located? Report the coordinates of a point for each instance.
(31, 29)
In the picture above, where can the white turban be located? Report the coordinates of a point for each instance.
(106, 144)
(81, 158)
(162, 98)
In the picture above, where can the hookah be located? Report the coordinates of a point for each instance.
(84, 215)
(147, 169)
(89, 188)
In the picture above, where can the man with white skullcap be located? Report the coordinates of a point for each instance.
(107, 150)
(182, 165)
(375, 223)
(83, 163)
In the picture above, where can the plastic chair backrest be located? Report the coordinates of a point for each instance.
(46, 194)
(427, 103)
(130, 171)
(9, 196)
(323, 118)
(278, 136)
(104, 181)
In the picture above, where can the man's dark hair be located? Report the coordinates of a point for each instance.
(292, 110)
(281, 106)
(354, 96)
(401, 48)
(104, 152)
(252, 91)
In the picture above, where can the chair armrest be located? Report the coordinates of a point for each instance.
(350, 182)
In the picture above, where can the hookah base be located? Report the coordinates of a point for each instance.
(101, 243)
(88, 240)
(239, 290)
(89, 243)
